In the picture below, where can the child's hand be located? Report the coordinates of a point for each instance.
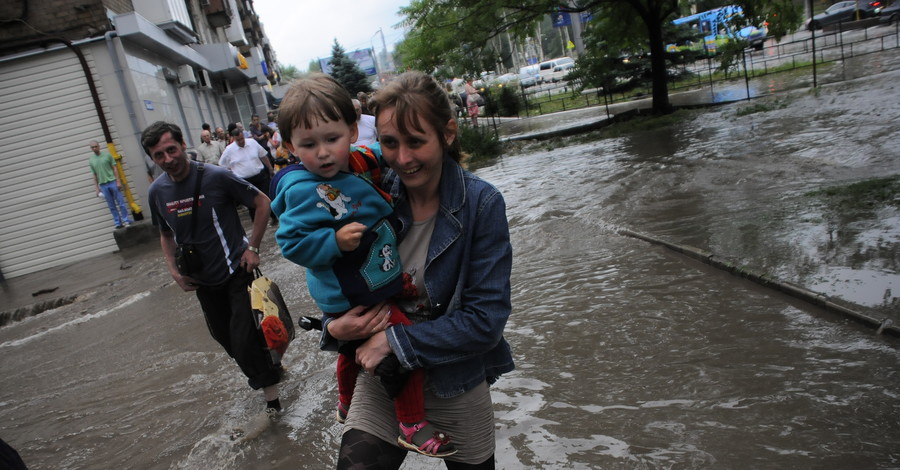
(349, 235)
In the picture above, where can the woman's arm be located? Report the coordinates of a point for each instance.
(476, 321)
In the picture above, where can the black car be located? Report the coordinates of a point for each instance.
(891, 14)
(844, 11)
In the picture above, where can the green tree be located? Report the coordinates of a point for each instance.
(289, 73)
(444, 33)
(616, 57)
(346, 72)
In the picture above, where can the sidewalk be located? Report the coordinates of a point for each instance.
(587, 119)
(33, 293)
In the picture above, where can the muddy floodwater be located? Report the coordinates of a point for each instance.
(629, 356)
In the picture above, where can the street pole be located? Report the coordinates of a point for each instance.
(813, 39)
(378, 67)
(576, 32)
(390, 63)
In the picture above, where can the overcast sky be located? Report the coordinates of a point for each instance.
(302, 31)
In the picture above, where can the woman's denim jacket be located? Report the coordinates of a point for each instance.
(467, 279)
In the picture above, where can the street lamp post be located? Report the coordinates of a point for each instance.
(378, 67)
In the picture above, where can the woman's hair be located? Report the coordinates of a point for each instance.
(418, 99)
(313, 99)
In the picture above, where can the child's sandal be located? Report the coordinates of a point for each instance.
(437, 443)
(341, 414)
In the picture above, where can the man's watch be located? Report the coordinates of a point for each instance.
(253, 249)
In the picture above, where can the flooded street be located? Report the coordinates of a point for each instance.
(629, 356)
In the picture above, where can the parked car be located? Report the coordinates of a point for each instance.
(504, 79)
(528, 76)
(845, 11)
(891, 14)
(545, 68)
(756, 38)
(560, 71)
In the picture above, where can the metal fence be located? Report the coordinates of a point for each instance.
(801, 52)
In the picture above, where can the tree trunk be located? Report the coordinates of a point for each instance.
(661, 103)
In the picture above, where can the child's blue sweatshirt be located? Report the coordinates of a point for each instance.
(310, 209)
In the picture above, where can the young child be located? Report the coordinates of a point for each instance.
(337, 223)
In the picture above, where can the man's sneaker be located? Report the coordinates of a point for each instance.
(274, 414)
(128, 224)
(119, 226)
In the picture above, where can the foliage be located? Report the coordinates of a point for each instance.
(616, 59)
(435, 45)
(456, 37)
(314, 66)
(781, 17)
(504, 101)
(346, 72)
(479, 143)
(289, 73)
(446, 31)
(731, 56)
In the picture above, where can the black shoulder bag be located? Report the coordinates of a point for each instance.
(187, 257)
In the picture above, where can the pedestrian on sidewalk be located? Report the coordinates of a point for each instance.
(224, 257)
(108, 185)
(472, 101)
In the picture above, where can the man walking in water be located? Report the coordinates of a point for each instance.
(223, 257)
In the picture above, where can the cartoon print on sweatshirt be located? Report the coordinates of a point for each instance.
(334, 200)
(387, 254)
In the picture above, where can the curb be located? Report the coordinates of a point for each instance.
(882, 326)
(18, 314)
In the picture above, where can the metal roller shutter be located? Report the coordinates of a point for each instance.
(49, 214)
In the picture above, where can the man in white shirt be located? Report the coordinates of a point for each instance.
(247, 159)
(366, 125)
(208, 151)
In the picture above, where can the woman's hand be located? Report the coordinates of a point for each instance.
(373, 351)
(360, 322)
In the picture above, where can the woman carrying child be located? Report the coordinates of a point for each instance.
(455, 248)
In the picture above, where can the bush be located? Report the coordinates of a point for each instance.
(479, 142)
(504, 101)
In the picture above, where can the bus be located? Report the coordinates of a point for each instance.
(719, 25)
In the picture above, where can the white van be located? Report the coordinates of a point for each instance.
(546, 68)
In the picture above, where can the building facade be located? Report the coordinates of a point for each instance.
(73, 71)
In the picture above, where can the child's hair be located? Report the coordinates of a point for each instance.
(313, 99)
(418, 98)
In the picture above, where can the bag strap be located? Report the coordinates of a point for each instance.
(196, 198)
